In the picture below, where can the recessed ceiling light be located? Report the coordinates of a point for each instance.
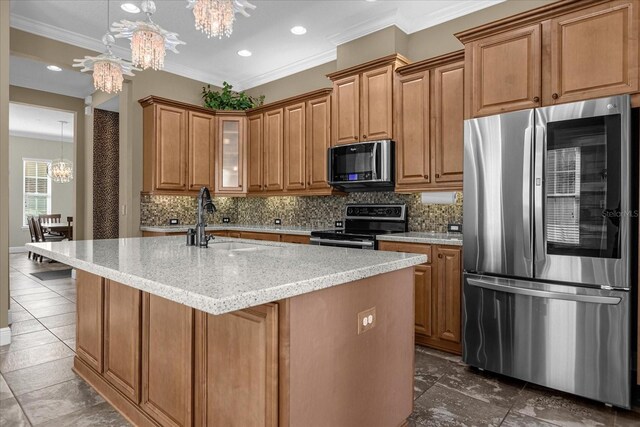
(130, 7)
(299, 30)
(53, 68)
(244, 52)
(370, 1)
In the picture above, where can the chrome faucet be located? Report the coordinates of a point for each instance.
(204, 203)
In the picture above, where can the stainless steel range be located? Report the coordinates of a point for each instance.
(363, 222)
(547, 235)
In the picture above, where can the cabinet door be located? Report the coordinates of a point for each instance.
(171, 148)
(318, 141)
(90, 290)
(449, 122)
(122, 307)
(449, 283)
(413, 137)
(505, 71)
(423, 300)
(594, 53)
(254, 153)
(273, 147)
(346, 110)
(237, 364)
(201, 150)
(295, 147)
(167, 337)
(230, 154)
(377, 104)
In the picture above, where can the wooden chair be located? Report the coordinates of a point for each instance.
(70, 224)
(32, 231)
(42, 237)
(51, 219)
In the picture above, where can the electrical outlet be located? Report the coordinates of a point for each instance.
(339, 224)
(226, 220)
(277, 221)
(174, 221)
(454, 228)
(366, 320)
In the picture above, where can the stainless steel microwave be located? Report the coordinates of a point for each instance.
(363, 166)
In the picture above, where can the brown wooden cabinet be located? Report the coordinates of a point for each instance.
(362, 106)
(167, 354)
(273, 150)
(438, 294)
(429, 124)
(295, 238)
(594, 53)
(231, 154)
(274, 237)
(178, 147)
(122, 308)
(254, 153)
(318, 128)
(89, 341)
(562, 52)
(295, 156)
(232, 351)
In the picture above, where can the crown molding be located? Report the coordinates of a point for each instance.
(287, 70)
(376, 23)
(79, 40)
(448, 13)
(39, 135)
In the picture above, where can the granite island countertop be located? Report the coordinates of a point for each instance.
(276, 229)
(219, 281)
(431, 238)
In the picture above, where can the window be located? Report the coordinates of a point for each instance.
(36, 188)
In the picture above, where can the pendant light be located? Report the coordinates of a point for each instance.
(215, 18)
(61, 170)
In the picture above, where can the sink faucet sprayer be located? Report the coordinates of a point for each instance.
(204, 203)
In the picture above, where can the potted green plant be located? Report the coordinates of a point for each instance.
(228, 99)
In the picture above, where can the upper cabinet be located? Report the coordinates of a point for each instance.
(178, 147)
(273, 150)
(429, 124)
(563, 52)
(318, 141)
(254, 153)
(230, 152)
(295, 147)
(363, 101)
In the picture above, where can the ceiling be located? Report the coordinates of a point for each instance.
(32, 74)
(28, 121)
(276, 52)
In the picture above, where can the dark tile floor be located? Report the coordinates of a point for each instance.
(37, 386)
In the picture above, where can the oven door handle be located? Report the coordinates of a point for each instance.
(341, 242)
(479, 283)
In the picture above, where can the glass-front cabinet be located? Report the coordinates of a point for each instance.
(231, 154)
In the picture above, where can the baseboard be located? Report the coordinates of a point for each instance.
(17, 249)
(5, 336)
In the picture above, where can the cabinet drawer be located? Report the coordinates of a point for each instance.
(415, 248)
(260, 236)
(294, 238)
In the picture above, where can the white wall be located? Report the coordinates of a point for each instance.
(62, 199)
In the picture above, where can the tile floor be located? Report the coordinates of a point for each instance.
(37, 386)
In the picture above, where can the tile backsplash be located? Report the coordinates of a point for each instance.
(310, 211)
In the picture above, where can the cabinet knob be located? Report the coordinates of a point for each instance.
(364, 136)
(536, 99)
(554, 96)
(437, 175)
(439, 255)
(426, 177)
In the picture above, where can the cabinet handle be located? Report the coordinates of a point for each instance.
(364, 136)
(426, 177)
(536, 99)
(439, 255)
(555, 96)
(437, 175)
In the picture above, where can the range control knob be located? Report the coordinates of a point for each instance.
(349, 211)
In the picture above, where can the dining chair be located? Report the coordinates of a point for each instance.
(51, 219)
(42, 237)
(32, 231)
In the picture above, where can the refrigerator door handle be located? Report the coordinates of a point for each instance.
(594, 299)
(526, 194)
(539, 191)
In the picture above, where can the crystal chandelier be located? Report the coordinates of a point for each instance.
(61, 170)
(149, 41)
(107, 68)
(215, 17)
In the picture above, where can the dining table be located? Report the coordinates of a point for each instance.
(59, 228)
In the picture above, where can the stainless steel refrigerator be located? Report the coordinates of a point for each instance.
(547, 218)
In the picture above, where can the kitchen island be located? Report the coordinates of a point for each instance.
(244, 333)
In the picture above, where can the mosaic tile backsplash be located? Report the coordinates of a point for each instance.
(309, 211)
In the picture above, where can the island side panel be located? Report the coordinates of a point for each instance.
(341, 378)
(89, 309)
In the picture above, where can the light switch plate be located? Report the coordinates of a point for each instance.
(454, 228)
(366, 320)
(174, 221)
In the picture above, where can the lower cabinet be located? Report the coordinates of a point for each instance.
(438, 294)
(167, 356)
(237, 352)
(260, 236)
(89, 338)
